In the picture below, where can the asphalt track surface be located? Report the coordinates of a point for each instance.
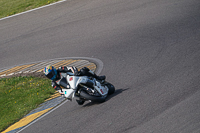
(150, 50)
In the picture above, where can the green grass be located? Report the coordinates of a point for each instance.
(11, 7)
(20, 95)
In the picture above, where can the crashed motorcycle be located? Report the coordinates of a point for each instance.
(84, 88)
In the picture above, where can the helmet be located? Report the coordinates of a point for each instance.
(50, 72)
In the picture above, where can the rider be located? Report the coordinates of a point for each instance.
(57, 80)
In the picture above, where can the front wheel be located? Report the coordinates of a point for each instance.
(110, 87)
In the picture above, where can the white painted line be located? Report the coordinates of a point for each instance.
(3, 75)
(33, 9)
(42, 116)
(10, 74)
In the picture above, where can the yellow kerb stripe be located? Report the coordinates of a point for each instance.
(26, 120)
(72, 61)
(16, 69)
(61, 63)
(91, 66)
(54, 96)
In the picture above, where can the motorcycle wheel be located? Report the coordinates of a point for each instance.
(110, 87)
(85, 95)
(80, 102)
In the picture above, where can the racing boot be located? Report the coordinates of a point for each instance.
(100, 77)
(88, 72)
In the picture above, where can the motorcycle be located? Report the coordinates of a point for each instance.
(84, 88)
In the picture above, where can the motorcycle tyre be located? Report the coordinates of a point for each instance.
(85, 95)
(80, 102)
(110, 87)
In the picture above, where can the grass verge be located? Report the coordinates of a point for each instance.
(20, 95)
(11, 7)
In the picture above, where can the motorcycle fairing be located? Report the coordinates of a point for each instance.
(103, 90)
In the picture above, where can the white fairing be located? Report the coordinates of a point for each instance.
(68, 93)
(74, 81)
(103, 90)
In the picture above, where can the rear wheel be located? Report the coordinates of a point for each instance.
(87, 96)
(80, 102)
